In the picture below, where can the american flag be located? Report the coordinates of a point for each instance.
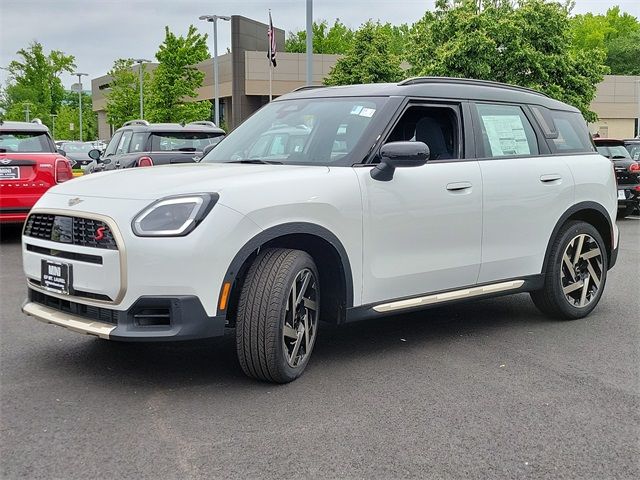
(272, 42)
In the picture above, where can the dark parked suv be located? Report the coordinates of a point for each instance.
(627, 173)
(142, 144)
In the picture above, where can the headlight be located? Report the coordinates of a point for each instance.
(173, 216)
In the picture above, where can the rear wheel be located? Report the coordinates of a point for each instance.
(576, 273)
(278, 314)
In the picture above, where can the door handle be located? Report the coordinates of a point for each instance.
(550, 177)
(457, 186)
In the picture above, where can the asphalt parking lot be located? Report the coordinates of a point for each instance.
(490, 389)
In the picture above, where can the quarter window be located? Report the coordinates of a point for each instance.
(506, 131)
(567, 131)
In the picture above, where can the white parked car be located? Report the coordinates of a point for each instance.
(388, 198)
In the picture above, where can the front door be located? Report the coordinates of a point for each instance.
(422, 230)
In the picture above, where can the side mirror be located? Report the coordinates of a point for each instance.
(62, 152)
(399, 155)
(94, 154)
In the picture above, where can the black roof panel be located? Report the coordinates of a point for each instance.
(438, 88)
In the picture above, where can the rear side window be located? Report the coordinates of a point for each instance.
(506, 131)
(182, 141)
(566, 132)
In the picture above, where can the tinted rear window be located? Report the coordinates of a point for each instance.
(27, 142)
(566, 132)
(182, 141)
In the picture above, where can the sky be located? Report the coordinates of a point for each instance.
(97, 32)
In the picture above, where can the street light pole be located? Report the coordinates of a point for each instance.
(26, 110)
(140, 62)
(53, 128)
(638, 94)
(80, 75)
(309, 42)
(216, 100)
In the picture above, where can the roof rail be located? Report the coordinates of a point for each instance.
(205, 123)
(468, 81)
(135, 122)
(308, 87)
(37, 120)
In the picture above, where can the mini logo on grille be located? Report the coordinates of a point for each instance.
(99, 233)
(74, 201)
(5, 161)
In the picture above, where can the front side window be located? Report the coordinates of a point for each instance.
(113, 144)
(634, 150)
(506, 131)
(27, 142)
(437, 127)
(124, 142)
(314, 131)
(182, 141)
(567, 131)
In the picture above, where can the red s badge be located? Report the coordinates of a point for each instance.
(100, 233)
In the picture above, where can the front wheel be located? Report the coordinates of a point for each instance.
(576, 273)
(278, 315)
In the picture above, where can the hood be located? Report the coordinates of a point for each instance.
(151, 183)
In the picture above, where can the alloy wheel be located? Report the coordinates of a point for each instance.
(300, 319)
(581, 271)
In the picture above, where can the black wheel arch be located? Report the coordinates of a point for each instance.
(336, 280)
(592, 213)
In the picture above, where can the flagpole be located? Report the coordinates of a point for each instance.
(270, 58)
(270, 81)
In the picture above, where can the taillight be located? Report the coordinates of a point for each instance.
(63, 170)
(634, 168)
(145, 162)
(637, 188)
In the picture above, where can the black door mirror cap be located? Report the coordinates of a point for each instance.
(94, 154)
(399, 155)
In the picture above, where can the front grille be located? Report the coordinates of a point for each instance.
(99, 314)
(84, 232)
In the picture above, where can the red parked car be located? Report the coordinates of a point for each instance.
(29, 166)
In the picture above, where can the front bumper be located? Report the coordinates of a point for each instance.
(148, 319)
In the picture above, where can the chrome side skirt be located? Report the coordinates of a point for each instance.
(448, 296)
(67, 320)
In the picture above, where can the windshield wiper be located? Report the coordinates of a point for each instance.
(257, 161)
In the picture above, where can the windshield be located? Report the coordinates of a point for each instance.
(317, 131)
(77, 147)
(26, 142)
(182, 141)
(613, 151)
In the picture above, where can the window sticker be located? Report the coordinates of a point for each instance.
(506, 135)
(356, 110)
(367, 112)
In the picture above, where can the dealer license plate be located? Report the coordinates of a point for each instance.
(56, 276)
(621, 195)
(9, 173)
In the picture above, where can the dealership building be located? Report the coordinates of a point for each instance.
(244, 83)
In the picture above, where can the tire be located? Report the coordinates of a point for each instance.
(273, 339)
(587, 276)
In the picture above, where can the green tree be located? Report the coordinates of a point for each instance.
(173, 87)
(34, 79)
(123, 96)
(527, 43)
(614, 33)
(368, 60)
(335, 39)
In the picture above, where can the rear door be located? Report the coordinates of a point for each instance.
(525, 191)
